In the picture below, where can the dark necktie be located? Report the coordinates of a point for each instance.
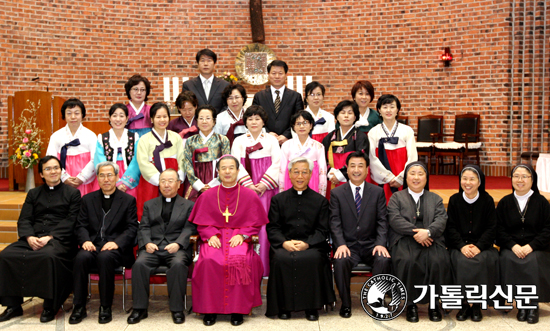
(63, 154)
(358, 200)
(277, 102)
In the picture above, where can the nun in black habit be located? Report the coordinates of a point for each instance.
(417, 220)
(470, 235)
(523, 234)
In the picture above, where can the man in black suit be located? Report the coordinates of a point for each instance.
(106, 232)
(279, 102)
(207, 87)
(359, 227)
(163, 239)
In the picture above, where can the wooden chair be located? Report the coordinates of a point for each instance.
(428, 125)
(465, 142)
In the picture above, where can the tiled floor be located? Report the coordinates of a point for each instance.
(160, 319)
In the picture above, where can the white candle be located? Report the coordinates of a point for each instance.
(290, 82)
(166, 89)
(300, 85)
(176, 87)
(309, 79)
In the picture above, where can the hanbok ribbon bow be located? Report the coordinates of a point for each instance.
(184, 132)
(63, 154)
(133, 119)
(249, 150)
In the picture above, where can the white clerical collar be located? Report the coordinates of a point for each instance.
(342, 133)
(168, 199)
(106, 196)
(51, 187)
(211, 79)
(280, 89)
(205, 138)
(163, 138)
(229, 186)
(468, 200)
(299, 192)
(354, 187)
(415, 195)
(138, 110)
(522, 199)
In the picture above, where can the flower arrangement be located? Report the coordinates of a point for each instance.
(228, 77)
(27, 138)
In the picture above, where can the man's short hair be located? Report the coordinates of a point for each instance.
(277, 63)
(227, 157)
(208, 53)
(357, 154)
(171, 170)
(298, 160)
(107, 164)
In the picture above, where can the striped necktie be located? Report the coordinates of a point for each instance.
(277, 102)
(358, 200)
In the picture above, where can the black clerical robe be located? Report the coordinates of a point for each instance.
(46, 273)
(299, 280)
(534, 269)
(475, 224)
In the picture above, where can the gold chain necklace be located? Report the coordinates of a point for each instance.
(226, 213)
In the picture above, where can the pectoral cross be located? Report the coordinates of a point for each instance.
(226, 214)
(417, 213)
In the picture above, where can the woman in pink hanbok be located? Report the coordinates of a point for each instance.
(74, 145)
(304, 146)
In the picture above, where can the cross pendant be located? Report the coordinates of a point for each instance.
(522, 219)
(417, 213)
(226, 214)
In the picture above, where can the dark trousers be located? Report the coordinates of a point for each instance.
(176, 277)
(105, 262)
(343, 266)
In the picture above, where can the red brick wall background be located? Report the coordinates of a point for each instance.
(89, 49)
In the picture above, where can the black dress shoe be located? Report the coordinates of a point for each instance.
(178, 317)
(435, 315)
(47, 315)
(78, 314)
(284, 315)
(412, 313)
(209, 319)
(312, 315)
(477, 316)
(11, 312)
(533, 316)
(522, 315)
(105, 315)
(345, 312)
(237, 319)
(464, 313)
(137, 315)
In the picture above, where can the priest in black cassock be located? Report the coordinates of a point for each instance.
(300, 276)
(40, 262)
(106, 232)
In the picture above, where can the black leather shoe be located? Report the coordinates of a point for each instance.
(11, 312)
(237, 319)
(78, 314)
(47, 315)
(477, 316)
(533, 316)
(137, 315)
(105, 315)
(345, 312)
(412, 313)
(284, 315)
(312, 315)
(464, 313)
(522, 315)
(435, 315)
(209, 319)
(178, 317)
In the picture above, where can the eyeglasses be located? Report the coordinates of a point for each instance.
(103, 176)
(304, 123)
(168, 181)
(138, 90)
(517, 177)
(235, 98)
(298, 173)
(318, 95)
(51, 168)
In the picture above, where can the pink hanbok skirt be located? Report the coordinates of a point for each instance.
(74, 164)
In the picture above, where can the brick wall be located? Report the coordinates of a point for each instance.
(88, 50)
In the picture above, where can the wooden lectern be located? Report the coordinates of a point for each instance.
(48, 119)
